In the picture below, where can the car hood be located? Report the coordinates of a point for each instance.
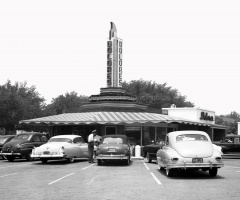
(13, 142)
(52, 146)
(194, 149)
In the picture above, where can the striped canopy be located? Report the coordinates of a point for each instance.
(121, 118)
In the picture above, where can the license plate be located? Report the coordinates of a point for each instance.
(111, 150)
(197, 160)
(46, 152)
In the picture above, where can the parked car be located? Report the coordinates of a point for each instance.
(230, 146)
(113, 147)
(22, 144)
(67, 147)
(3, 140)
(189, 150)
(150, 151)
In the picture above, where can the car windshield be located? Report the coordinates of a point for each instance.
(112, 140)
(22, 137)
(60, 140)
(191, 137)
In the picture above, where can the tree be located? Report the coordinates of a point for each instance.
(156, 96)
(70, 103)
(18, 102)
(229, 120)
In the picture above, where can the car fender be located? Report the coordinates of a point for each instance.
(165, 154)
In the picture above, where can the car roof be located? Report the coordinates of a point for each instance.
(66, 136)
(31, 133)
(172, 135)
(175, 133)
(123, 136)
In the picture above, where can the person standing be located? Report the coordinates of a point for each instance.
(91, 145)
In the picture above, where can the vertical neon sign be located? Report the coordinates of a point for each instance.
(114, 59)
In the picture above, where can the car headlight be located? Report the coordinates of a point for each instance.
(218, 159)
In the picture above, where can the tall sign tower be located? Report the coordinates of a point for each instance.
(114, 58)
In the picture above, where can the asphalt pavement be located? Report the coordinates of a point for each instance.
(113, 180)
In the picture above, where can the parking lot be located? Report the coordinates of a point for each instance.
(140, 180)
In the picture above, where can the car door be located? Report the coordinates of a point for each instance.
(163, 154)
(81, 148)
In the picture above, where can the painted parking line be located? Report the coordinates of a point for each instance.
(7, 175)
(68, 175)
(156, 179)
(89, 182)
(146, 166)
(60, 179)
(231, 166)
(87, 167)
(15, 166)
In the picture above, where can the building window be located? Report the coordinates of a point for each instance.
(110, 130)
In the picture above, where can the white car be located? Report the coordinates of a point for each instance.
(189, 150)
(58, 147)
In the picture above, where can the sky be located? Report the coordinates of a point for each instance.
(60, 46)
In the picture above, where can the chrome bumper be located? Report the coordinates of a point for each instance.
(112, 157)
(48, 156)
(10, 154)
(195, 165)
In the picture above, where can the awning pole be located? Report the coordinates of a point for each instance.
(141, 135)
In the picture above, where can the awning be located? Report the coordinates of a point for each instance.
(120, 118)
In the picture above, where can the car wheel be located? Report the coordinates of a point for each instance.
(213, 171)
(149, 160)
(169, 172)
(28, 157)
(44, 161)
(128, 161)
(99, 162)
(10, 158)
(70, 160)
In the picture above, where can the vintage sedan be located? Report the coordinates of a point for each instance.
(230, 146)
(114, 147)
(189, 150)
(150, 150)
(62, 147)
(3, 140)
(22, 144)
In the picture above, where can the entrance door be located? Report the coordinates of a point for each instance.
(111, 130)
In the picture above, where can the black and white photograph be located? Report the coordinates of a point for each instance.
(119, 100)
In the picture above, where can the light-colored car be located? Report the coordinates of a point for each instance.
(189, 150)
(58, 147)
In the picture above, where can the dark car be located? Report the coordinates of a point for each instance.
(230, 146)
(150, 151)
(113, 147)
(3, 140)
(22, 144)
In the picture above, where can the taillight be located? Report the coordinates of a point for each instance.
(174, 159)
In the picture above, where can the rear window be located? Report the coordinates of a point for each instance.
(110, 140)
(60, 140)
(191, 137)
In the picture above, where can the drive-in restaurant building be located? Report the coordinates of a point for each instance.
(114, 111)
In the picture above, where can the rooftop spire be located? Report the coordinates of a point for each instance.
(113, 31)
